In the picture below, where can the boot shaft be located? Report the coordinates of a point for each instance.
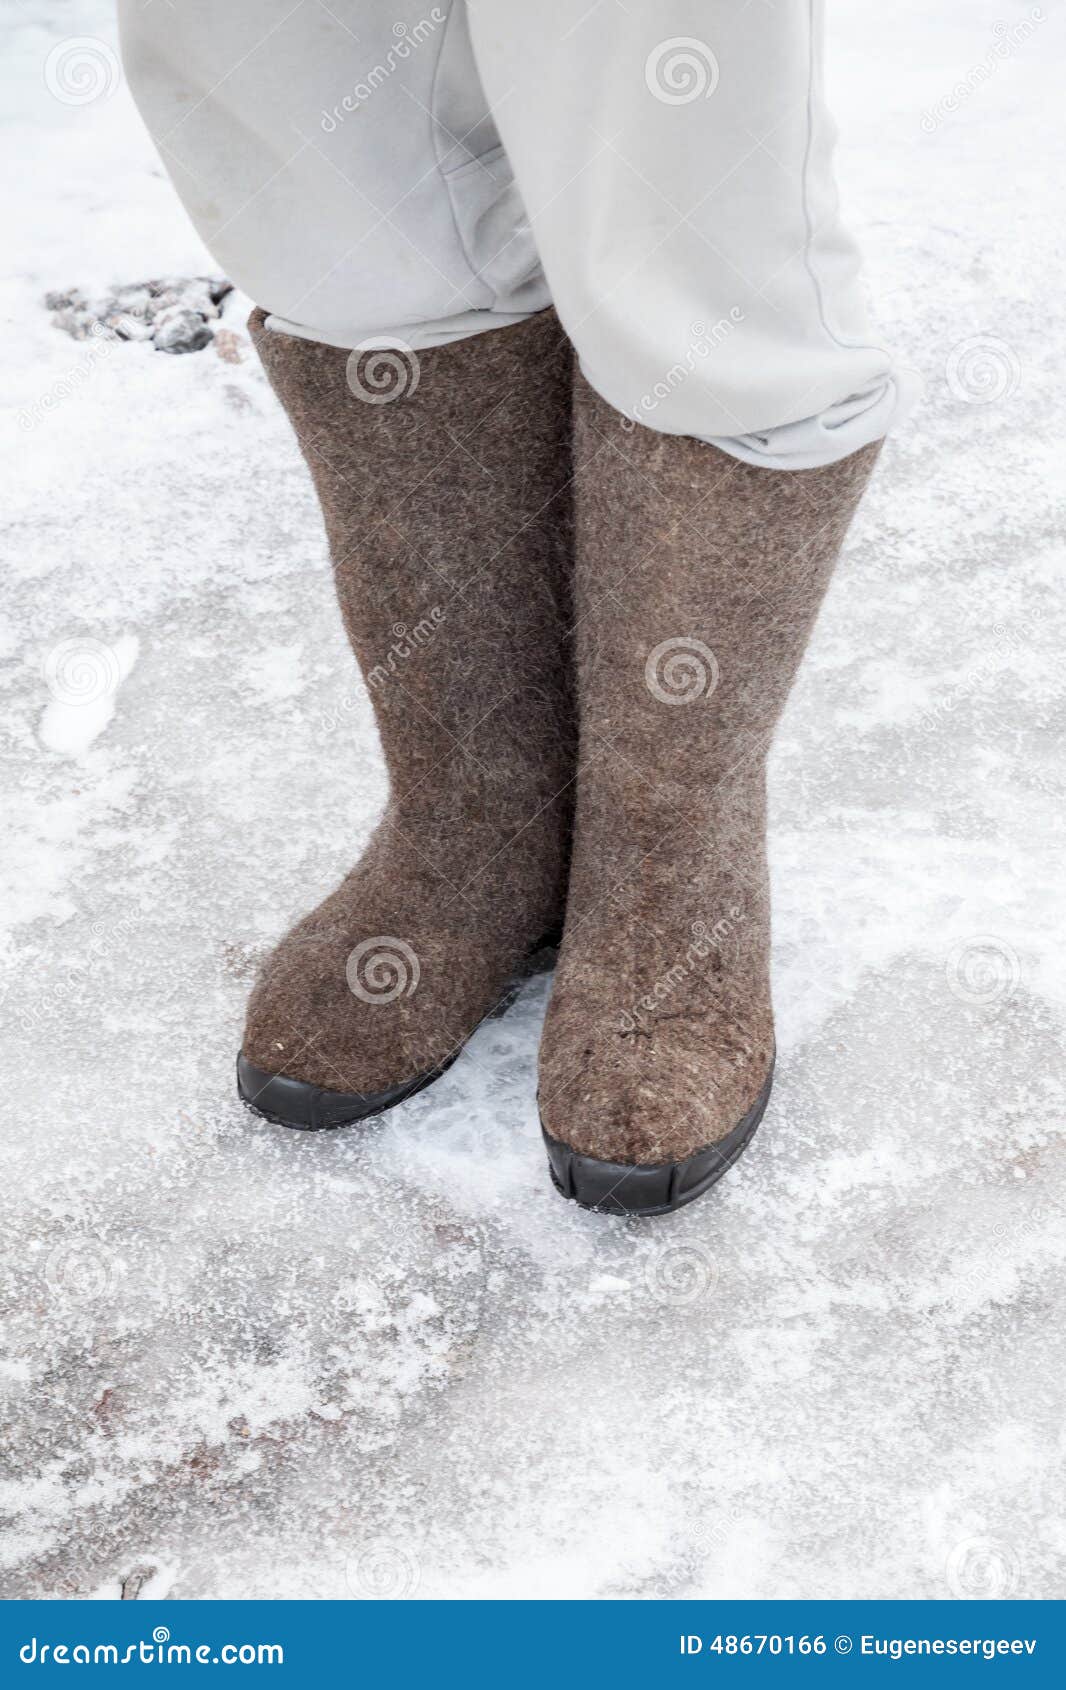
(448, 514)
(698, 581)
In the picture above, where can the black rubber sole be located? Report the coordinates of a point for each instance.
(295, 1103)
(625, 1188)
(308, 1108)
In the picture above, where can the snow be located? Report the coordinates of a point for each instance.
(83, 677)
(241, 1362)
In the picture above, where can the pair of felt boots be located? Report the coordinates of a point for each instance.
(578, 634)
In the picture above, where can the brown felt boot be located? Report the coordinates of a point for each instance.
(448, 515)
(697, 581)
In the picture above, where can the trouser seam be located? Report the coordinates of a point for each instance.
(813, 14)
(435, 127)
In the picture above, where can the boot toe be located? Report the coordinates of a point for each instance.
(312, 1019)
(650, 1143)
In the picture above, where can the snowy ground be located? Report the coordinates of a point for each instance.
(243, 1362)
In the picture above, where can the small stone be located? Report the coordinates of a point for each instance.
(134, 1582)
(228, 346)
(127, 325)
(180, 330)
(172, 311)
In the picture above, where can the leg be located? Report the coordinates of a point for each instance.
(341, 166)
(726, 420)
(676, 165)
(356, 186)
(697, 581)
(448, 518)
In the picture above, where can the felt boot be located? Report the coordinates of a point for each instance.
(447, 507)
(697, 581)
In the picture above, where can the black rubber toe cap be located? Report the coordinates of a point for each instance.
(295, 1103)
(627, 1188)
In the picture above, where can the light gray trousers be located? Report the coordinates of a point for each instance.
(659, 170)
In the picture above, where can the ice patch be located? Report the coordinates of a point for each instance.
(84, 676)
